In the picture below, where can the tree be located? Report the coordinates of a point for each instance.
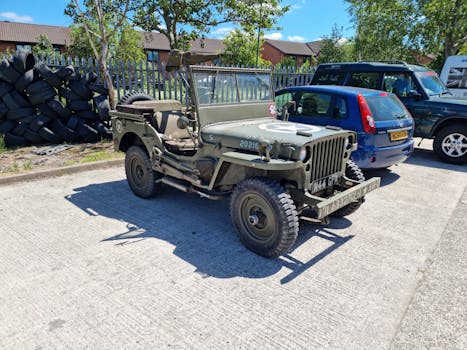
(334, 49)
(382, 28)
(398, 29)
(127, 44)
(109, 15)
(43, 47)
(185, 20)
(240, 49)
(442, 27)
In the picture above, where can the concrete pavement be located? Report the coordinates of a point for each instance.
(86, 264)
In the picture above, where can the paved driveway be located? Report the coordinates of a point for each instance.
(86, 264)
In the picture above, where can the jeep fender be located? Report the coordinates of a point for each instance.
(250, 165)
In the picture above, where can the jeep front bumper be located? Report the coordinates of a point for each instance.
(326, 206)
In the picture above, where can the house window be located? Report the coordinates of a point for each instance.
(23, 47)
(153, 56)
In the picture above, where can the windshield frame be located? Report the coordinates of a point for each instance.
(210, 73)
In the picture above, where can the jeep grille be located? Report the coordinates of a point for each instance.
(327, 157)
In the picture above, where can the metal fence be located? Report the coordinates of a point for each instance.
(153, 79)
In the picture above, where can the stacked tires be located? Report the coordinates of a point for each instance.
(39, 105)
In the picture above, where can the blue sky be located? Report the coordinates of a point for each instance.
(308, 20)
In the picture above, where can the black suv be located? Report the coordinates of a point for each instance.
(436, 113)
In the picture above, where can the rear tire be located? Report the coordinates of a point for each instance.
(450, 144)
(353, 172)
(264, 215)
(139, 173)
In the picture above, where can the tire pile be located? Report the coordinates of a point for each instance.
(39, 105)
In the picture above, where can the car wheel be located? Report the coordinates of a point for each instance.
(450, 144)
(353, 172)
(139, 173)
(264, 216)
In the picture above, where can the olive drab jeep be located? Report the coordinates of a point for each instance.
(228, 143)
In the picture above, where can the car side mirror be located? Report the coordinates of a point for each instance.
(415, 94)
(285, 109)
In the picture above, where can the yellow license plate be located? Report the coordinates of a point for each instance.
(399, 135)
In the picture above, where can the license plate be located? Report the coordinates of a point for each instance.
(399, 135)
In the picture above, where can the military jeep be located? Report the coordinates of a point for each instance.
(228, 143)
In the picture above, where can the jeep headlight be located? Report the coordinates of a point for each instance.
(304, 154)
(348, 143)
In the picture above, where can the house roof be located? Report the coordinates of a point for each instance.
(29, 33)
(158, 41)
(296, 48)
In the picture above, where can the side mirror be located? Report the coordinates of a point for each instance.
(285, 109)
(415, 94)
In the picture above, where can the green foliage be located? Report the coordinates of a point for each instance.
(80, 46)
(288, 61)
(382, 30)
(2, 144)
(241, 48)
(333, 49)
(185, 20)
(398, 29)
(44, 47)
(127, 44)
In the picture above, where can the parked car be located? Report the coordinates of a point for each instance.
(454, 75)
(437, 114)
(384, 126)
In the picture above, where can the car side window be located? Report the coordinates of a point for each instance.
(282, 99)
(339, 110)
(314, 104)
(328, 77)
(398, 83)
(368, 80)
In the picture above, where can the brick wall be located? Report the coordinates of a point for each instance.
(4, 46)
(271, 54)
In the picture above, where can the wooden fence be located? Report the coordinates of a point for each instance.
(153, 79)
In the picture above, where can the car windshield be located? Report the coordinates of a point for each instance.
(386, 107)
(431, 83)
(231, 87)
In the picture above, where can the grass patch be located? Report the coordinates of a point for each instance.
(2, 144)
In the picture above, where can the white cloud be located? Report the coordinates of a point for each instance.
(221, 33)
(296, 38)
(273, 36)
(342, 41)
(298, 6)
(11, 16)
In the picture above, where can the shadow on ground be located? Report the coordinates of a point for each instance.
(428, 158)
(199, 229)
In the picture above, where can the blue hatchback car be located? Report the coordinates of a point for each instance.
(384, 126)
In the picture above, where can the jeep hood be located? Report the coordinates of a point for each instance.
(246, 134)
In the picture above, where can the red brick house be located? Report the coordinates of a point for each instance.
(14, 35)
(277, 50)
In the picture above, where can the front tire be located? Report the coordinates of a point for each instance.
(450, 144)
(353, 172)
(264, 216)
(139, 173)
